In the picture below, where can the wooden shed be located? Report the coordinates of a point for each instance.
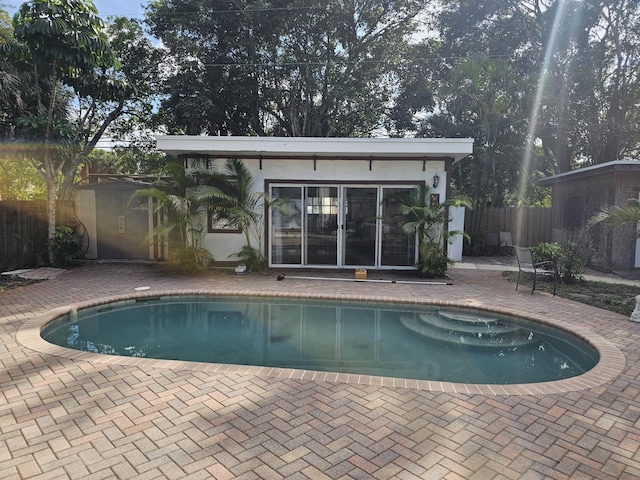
(579, 194)
(113, 231)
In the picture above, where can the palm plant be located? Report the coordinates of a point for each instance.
(243, 208)
(428, 219)
(183, 197)
(245, 211)
(617, 215)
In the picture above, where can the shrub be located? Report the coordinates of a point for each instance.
(576, 257)
(568, 261)
(253, 258)
(548, 252)
(434, 266)
(66, 246)
(190, 259)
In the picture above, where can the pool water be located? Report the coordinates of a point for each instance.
(391, 340)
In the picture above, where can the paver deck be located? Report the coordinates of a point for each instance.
(78, 418)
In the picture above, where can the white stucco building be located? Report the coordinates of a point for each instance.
(342, 191)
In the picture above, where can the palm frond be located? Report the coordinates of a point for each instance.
(617, 215)
(146, 193)
(209, 194)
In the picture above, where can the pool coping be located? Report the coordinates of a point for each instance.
(611, 364)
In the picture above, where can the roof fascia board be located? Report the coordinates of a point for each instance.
(332, 148)
(617, 165)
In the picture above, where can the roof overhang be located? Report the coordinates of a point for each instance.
(116, 184)
(602, 168)
(311, 147)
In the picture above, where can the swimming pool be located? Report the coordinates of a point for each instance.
(391, 340)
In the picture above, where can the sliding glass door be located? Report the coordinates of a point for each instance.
(321, 239)
(360, 225)
(285, 234)
(339, 226)
(397, 247)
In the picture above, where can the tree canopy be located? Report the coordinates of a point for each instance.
(66, 87)
(578, 62)
(285, 67)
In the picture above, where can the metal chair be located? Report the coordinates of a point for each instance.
(527, 265)
(492, 241)
(506, 242)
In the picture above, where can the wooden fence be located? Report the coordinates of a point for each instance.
(528, 226)
(23, 233)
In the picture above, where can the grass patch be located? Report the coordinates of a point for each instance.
(615, 297)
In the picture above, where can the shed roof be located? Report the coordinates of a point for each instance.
(114, 185)
(310, 147)
(600, 169)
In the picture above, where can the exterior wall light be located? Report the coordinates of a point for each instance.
(436, 181)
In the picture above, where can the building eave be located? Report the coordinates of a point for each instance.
(311, 147)
(615, 166)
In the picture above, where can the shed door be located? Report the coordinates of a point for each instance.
(120, 231)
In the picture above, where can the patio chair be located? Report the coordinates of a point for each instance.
(527, 265)
(492, 241)
(506, 242)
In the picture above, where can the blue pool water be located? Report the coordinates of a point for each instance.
(417, 342)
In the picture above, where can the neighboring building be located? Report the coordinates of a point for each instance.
(579, 194)
(343, 193)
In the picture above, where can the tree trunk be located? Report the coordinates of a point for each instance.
(51, 218)
(50, 172)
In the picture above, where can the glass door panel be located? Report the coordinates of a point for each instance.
(286, 226)
(322, 225)
(398, 248)
(360, 226)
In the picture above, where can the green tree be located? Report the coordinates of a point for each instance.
(19, 180)
(478, 99)
(63, 42)
(119, 102)
(10, 81)
(578, 61)
(244, 208)
(291, 68)
(415, 83)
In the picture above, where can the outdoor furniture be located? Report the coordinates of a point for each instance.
(492, 241)
(527, 265)
(506, 242)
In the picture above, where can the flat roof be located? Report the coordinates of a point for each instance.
(301, 147)
(616, 165)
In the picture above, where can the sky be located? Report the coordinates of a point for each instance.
(125, 8)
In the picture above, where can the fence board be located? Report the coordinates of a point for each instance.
(23, 231)
(528, 226)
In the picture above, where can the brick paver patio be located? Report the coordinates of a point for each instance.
(89, 418)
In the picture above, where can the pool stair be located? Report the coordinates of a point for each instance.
(468, 329)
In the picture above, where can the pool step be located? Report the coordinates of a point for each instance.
(468, 330)
(466, 323)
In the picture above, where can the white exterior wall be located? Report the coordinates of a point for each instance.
(457, 223)
(222, 245)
